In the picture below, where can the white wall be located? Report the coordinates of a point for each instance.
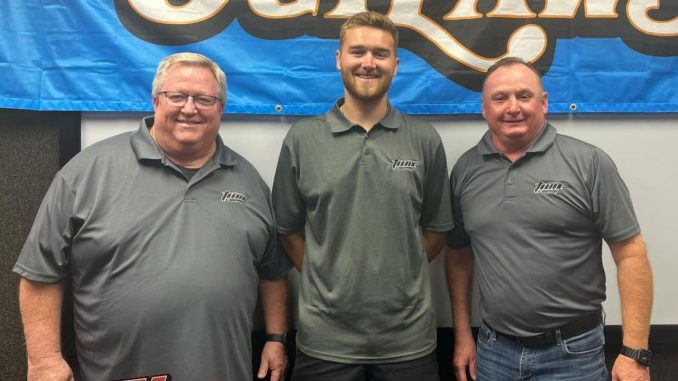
(641, 145)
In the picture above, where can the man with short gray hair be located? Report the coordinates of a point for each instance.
(531, 208)
(166, 236)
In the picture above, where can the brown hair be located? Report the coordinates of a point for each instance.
(370, 19)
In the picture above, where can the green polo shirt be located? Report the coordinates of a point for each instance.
(536, 228)
(362, 200)
(164, 270)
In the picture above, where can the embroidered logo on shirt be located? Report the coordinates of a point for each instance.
(404, 165)
(231, 196)
(548, 187)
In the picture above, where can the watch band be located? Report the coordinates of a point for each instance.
(278, 337)
(642, 356)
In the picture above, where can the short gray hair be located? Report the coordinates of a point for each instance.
(510, 61)
(190, 59)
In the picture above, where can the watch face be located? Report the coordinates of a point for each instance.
(642, 356)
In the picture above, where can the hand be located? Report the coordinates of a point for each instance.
(52, 368)
(273, 357)
(464, 357)
(627, 369)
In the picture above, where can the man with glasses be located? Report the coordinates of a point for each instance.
(166, 235)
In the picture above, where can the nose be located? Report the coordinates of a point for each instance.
(512, 105)
(368, 61)
(189, 106)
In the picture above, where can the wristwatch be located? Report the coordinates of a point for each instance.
(642, 356)
(279, 337)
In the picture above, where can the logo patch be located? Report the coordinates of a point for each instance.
(404, 165)
(231, 196)
(548, 187)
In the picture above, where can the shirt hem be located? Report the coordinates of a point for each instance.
(386, 359)
(30, 275)
(625, 235)
(438, 228)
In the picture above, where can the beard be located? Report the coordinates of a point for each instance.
(366, 92)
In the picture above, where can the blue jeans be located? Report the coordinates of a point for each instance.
(502, 357)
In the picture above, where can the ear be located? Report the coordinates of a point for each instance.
(155, 103)
(395, 68)
(545, 102)
(338, 55)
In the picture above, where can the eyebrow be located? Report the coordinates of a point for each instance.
(374, 49)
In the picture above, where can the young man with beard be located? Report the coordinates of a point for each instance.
(362, 205)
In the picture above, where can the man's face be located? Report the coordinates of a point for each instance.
(514, 105)
(187, 127)
(367, 62)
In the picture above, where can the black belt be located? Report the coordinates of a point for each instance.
(572, 329)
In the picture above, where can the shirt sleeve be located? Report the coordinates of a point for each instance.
(289, 208)
(436, 214)
(274, 263)
(45, 256)
(613, 211)
(458, 238)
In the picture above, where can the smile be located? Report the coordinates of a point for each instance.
(367, 76)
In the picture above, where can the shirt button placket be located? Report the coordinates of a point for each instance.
(366, 154)
(509, 188)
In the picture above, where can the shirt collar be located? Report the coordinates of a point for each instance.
(338, 122)
(543, 142)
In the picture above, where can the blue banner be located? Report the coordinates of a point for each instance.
(596, 55)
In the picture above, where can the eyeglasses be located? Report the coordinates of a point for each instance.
(200, 101)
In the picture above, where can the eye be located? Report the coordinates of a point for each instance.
(382, 53)
(356, 52)
(205, 100)
(498, 98)
(176, 98)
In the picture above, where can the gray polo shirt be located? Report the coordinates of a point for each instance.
(536, 228)
(362, 200)
(165, 271)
